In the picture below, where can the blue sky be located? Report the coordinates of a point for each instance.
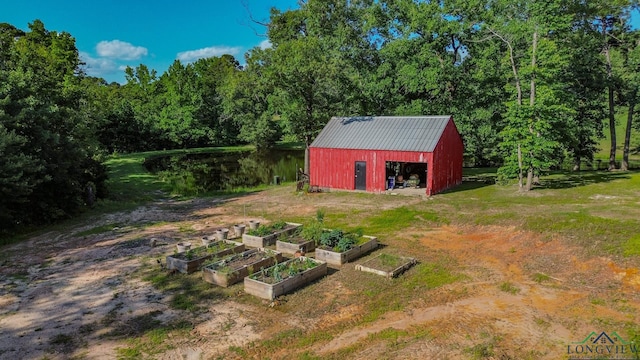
(111, 34)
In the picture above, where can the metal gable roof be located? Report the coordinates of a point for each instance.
(399, 133)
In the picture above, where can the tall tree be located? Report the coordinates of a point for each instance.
(610, 21)
(41, 130)
(247, 99)
(141, 94)
(531, 32)
(212, 75)
(313, 50)
(630, 89)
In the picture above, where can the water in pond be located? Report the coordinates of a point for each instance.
(196, 173)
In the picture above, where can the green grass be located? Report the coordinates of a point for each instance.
(394, 220)
(605, 143)
(430, 276)
(540, 278)
(190, 293)
(97, 230)
(631, 247)
(509, 288)
(147, 341)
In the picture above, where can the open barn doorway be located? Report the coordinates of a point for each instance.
(400, 175)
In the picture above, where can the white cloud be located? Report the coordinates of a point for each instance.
(117, 49)
(193, 55)
(97, 67)
(265, 44)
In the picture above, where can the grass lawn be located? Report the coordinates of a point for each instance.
(605, 143)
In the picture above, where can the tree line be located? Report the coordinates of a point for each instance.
(532, 85)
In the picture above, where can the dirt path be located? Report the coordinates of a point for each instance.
(68, 295)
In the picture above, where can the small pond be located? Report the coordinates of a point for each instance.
(226, 171)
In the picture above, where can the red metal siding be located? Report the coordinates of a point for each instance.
(447, 161)
(335, 168)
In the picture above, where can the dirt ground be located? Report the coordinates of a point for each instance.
(519, 296)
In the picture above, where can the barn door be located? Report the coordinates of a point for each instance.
(361, 175)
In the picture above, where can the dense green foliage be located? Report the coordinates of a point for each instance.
(532, 86)
(47, 171)
(528, 83)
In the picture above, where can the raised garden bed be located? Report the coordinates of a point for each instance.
(284, 277)
(388, 265)
(336, 253)
(190, 260)
(234, 268)
(294, 243)
(266, 235)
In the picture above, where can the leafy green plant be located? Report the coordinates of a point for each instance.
(331, 239)
(283, 270)
(266, 230)
(312, 231)
(201, 251)
(339, 241)
(345, 243)
(262, 230)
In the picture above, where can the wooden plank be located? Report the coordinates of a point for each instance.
(187, 266)
(213, 275)
(271, 291)
(292, 248)
(264, 241)
(337, 258)
(406, 263)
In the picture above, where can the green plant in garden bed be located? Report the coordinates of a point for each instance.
(313, 231)
(293, 238)
(339, 241)
(223, 265)
(265, 230)
(284, 270)
(201, 251)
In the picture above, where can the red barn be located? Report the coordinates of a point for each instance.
(376, 153)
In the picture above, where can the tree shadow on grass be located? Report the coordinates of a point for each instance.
(475, 178)
(571, 179)
(470, 184)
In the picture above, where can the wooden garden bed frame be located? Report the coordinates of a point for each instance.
(374, 266)
(234, 268)
(291, 248)
(181, 263)
(264, 241)
(340, 258)
(268, 291)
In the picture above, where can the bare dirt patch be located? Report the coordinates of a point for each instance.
(519, 295)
